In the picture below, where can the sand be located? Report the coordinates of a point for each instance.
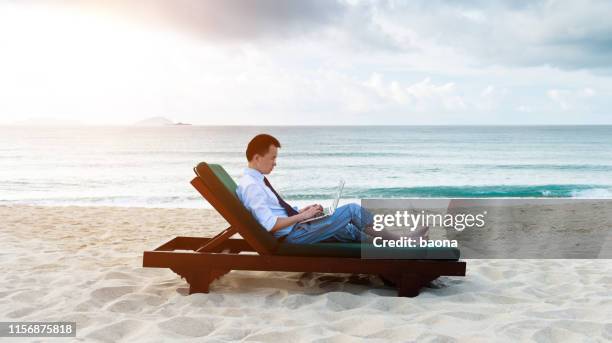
(83, 264)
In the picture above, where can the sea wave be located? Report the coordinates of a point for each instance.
(502, 191)
(321, 195)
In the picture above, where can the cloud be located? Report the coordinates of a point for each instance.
(571, 99)
(304, 62)
(562, 34)
(349, 26)
(491, 98)
(224, 19)
(420, 96)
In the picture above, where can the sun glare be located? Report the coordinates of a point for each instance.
(69, 56)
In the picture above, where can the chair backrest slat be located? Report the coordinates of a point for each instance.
(218, 187)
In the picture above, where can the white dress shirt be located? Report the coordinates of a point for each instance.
(260, 201)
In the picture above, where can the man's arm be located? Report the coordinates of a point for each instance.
(253, 199)
(283, 222)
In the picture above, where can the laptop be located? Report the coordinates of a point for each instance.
(331, 209)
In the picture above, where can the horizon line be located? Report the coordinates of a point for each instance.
(284, 125)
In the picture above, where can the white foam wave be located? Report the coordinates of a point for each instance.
(594, 193)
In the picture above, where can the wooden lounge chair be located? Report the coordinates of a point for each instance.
(202, 260)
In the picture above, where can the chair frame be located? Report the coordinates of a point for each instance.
(202, 260)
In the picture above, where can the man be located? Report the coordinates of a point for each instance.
(348, 223)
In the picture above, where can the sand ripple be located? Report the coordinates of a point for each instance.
(83, 265)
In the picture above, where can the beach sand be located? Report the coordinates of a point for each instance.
(83, 264)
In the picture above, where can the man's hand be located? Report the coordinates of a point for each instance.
(305, 208)
(309, 206)
(310, 211)
(305, 213)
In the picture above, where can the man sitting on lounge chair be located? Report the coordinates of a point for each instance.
(349, 223)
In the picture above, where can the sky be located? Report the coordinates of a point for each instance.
(320, 62)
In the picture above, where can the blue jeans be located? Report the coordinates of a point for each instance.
(347, 224)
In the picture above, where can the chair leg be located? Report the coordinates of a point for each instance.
(218, 273)
(199, 280)
(409, 285)
(390, 280)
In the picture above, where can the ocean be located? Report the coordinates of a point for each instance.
(152, 166)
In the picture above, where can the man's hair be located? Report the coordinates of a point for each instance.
(260, 145)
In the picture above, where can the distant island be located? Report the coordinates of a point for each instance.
(158, 121)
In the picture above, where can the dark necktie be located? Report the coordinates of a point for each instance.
(290, 210)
